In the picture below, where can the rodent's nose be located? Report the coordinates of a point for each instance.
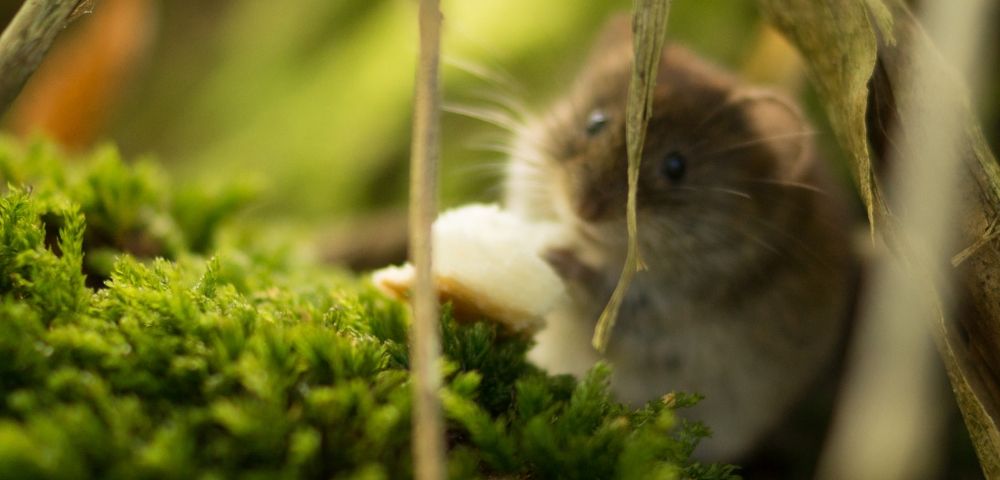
(591, 208)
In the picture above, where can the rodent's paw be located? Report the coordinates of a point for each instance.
(568, 265)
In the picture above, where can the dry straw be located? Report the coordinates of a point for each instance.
(649, 28)
(888, 422)
(428, 430)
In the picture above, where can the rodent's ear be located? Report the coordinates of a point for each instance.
(779, 124)
(617, 29)
(614, 40)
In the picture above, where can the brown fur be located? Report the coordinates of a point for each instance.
(749, 274)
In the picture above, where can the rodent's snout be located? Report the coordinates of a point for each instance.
(590, 208)
(595, 192)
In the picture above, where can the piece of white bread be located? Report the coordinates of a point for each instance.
(487, 263)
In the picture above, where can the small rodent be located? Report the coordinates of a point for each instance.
(744, 231)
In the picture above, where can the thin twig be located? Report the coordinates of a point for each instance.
(428, 432)
(25, 41)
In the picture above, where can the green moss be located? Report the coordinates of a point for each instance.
(251, 362)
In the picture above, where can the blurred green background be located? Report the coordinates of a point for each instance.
(310, 100)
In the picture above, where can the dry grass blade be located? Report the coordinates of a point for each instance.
(838, 41)
(886, 424)
(839, 46)
(649, 27)
(25, 41)
(428, 429)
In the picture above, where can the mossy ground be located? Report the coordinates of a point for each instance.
(136, 343)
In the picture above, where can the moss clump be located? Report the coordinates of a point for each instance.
(251, 362)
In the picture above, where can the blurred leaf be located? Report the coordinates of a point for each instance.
(840, 46)
(837, 40)
(969, 343)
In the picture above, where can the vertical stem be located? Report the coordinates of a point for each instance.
(25, 41)
(887, 421)
(428, 432)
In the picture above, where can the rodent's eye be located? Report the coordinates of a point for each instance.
(673, 167)
(596, 122)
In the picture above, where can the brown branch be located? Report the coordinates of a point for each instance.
(26, 40)
(428, 432)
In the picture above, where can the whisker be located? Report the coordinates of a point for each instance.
(495, 147)
(760, 241)
(494, 191)
(701, 188)
(492, 75)
(481, 167)
(512, 153)
(507, 101)
(787, 243)
(802, 247)
(758, 141)
(492, 116)
(487, 137)
(784, 184)
(732, 192)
